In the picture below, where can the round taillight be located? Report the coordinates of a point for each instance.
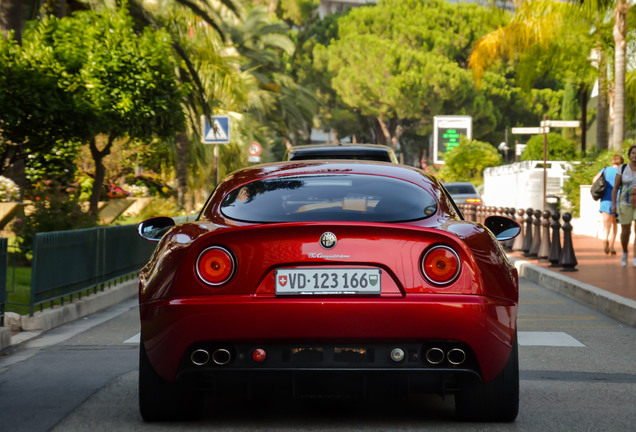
(440, 265)
(215, 266)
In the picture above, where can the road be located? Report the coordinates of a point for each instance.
(578, 373)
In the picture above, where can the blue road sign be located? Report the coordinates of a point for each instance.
(219, 134)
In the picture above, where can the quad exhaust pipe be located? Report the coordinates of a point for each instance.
(455, 356)
(201, 357)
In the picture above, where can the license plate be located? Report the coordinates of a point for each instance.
(328, 281)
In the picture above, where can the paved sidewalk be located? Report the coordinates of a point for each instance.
(600, 281)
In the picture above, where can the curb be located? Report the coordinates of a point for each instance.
(610, 304)
(60, 315)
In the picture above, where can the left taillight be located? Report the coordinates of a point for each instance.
(216, 266)
(440, 265)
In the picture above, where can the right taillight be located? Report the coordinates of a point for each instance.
(215, 266)
(440, 265)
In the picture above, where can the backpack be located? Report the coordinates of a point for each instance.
(599, 187)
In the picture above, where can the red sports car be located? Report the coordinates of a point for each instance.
(329, 279)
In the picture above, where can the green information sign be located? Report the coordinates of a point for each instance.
(449, 138)
(448, 129)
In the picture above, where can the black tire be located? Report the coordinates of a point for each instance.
(496, 400)
(160, 400)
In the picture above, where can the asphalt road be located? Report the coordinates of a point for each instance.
(578, 373)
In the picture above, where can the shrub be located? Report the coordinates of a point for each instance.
(9, 191)
(51, 209)
(557, 148)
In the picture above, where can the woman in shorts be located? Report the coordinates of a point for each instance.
(626, 182)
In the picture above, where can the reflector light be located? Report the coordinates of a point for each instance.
(259, 355)
(440, 265)
(215, 266)
(473, 200)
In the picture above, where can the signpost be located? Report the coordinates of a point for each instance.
(447, 130)
(217, 132)
(529, 130)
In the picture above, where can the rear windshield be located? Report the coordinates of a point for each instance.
(460, 189)
(329, 198)
(378, 155)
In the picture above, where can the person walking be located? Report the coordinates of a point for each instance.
(610, 227)
(626, 182)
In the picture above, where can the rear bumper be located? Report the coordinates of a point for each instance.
(172, 330)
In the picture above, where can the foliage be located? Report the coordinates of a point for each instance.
(467, 161)
(557, 148)
(46, 113)
(57, 164)
(51, 209)
(401, 63)
(9, 191)
(123, 82)
(161, 207)
(148, 184)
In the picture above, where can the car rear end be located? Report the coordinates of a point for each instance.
(407, 302)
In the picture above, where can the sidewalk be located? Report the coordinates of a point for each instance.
(599, 282)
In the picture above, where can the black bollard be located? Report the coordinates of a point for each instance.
(536, 235)
(568, 260)
(518, 244)
(544, 249)
(527, 241)
(555, 247)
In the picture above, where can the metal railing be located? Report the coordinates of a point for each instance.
(66, 263)
(3, 278)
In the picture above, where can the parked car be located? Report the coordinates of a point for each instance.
(329, 279)
(463, 193)
(371, 152)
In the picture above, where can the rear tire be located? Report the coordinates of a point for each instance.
(496, 400)
(160, 400)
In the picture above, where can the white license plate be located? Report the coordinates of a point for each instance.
(328, 281)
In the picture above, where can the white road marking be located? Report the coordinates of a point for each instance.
(555, 339)
(134, 340)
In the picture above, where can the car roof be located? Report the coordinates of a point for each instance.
(326, 167)
(342, 151)
(317, 167)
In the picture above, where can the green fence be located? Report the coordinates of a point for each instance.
(71, 262)
(3, 278)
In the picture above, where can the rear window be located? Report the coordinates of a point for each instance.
(381, 156)
(460, 189)
(329, 198)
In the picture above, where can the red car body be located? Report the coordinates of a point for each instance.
(454, 335)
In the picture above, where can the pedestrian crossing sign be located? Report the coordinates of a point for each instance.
(217, 134)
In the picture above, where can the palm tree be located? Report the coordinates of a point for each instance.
(619, 9)
(545, 30)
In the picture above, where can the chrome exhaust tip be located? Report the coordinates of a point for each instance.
(435, 356)
(221, 357)
(200, 357)
(397, 354)
(456, 356)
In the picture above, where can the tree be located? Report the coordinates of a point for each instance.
(466, 162)
(543, 38)
(402, 63)
(11, 18)
(620, 9)
(124, 83)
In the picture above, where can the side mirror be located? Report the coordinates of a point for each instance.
(153, 229)
(502, 227)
